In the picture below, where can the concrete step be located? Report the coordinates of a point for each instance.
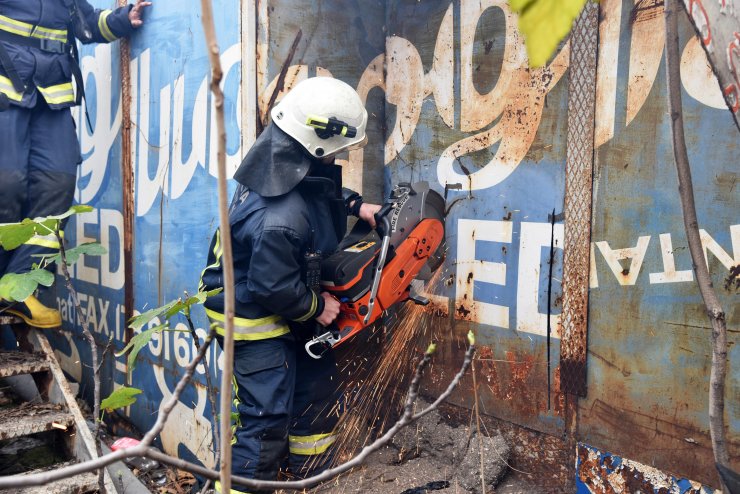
(28, 419)
(79, 484)
(17, 363)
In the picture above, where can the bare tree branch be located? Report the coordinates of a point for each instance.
(407, 418)
(211, 391)
(143, 449)
(227, 263)
(93, 352)
(691, 223)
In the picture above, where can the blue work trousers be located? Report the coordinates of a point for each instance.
(288, 405)
(39, 154)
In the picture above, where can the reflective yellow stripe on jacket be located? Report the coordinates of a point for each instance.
(59, 94)
(103, 26)
(310, 445)
(30, 31)
(312, 311)
(250, 329)
(6, 86)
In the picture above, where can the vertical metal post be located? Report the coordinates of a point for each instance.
(127, 174)
(578, 197)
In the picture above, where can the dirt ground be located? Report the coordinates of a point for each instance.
(436, 455)
(417, 476)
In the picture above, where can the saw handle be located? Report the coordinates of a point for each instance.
(383, 226)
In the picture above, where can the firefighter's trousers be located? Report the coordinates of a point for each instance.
(288, 405)
(39, 153)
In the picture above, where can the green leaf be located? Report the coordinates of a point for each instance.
(14, 235)
(18, 287)
(41, 276)
(88, 249)
(73, 255)
(138, 322)
(120, 398)
(138, 342)
(171, 308)
(76, 209)
(544, 23)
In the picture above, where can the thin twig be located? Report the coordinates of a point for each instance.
(477, 428)
(691, 223)
(93, 352)
(107, 348)
(143, 449)
(210, 389)
(227, 263)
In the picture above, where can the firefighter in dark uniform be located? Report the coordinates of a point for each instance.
(39, 151)
(289, 204)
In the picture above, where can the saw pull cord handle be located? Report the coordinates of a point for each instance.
(386, 230)
(326, 341)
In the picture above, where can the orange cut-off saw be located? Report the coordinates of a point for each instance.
(373, 269)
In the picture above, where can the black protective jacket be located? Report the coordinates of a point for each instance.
(271, 235)
(42, 70)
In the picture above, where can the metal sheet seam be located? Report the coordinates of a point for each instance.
(578, 196)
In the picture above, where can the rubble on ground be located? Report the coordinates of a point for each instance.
(430, 456)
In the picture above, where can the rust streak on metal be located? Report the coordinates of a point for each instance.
(281, 77)
(651, 440)
(127, 174)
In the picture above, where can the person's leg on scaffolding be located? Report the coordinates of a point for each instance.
(53, 156)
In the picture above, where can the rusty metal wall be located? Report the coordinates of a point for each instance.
(173, 203)
(649, 349)
(335, 38)
(467, 114)
(460, 117)
(452, 101)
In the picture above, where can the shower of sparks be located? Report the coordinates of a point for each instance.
(376, 372)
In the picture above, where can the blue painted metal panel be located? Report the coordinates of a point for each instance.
(599, 471)
(175, 184)
(649, 335)
(174, 159)
(452, 102)
(467, 115)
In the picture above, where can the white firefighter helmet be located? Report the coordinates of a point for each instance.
(324, 115)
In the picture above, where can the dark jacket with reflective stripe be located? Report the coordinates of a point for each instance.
(46, 72)
(272, 232)
(269, 239)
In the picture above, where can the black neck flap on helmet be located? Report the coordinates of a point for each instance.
(274, 165)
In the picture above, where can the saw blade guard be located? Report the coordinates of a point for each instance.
(374, 271)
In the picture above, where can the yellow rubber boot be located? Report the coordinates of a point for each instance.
(36, 314)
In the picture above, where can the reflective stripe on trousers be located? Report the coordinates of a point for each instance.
(310, 445)
(217, 487)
